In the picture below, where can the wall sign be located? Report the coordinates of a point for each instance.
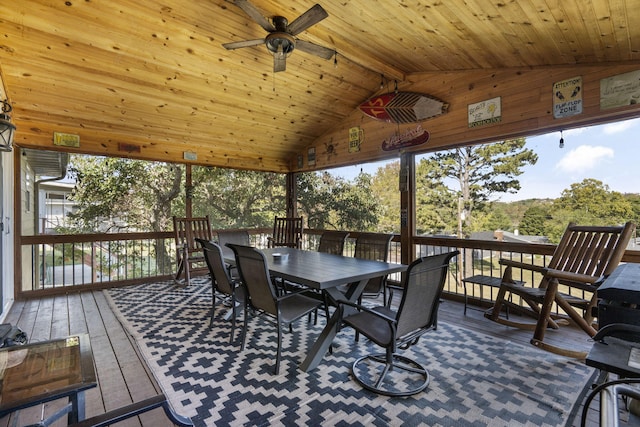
(567, 97)
(356, 136)
(66, 139)
(485, 112)
(620, 90)
(408, 138)
(311, 156)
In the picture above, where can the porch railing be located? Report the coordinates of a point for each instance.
(59, 263)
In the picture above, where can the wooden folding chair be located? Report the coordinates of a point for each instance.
(188, 252)
(286, 232)
(585, 256)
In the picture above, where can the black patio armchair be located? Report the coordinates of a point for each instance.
(263, 297)
(236, 237)
(392, 374)
(332, 242)
(374, 246)
(231, 291)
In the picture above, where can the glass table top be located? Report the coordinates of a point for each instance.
(38, 372)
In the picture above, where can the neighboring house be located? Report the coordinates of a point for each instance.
(506, 236)
(54, 205)
(502, 236)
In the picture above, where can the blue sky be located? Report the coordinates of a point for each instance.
(607, 153)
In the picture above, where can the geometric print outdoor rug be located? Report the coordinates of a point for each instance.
(476, 380)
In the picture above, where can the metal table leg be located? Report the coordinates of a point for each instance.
(322, 344)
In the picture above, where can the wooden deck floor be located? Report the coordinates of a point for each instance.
(122, 374)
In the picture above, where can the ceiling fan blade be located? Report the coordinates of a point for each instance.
(307, 19)
(254, 14)
(244, 43)
(315, 49)
(279, 62)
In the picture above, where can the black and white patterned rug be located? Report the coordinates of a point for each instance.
(476, 380)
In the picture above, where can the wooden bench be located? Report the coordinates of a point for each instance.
(480, 279)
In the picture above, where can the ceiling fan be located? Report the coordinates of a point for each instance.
(281, 40)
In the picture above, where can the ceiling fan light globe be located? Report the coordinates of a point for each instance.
(279, 42)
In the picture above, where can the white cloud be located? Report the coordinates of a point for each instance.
(583, 158)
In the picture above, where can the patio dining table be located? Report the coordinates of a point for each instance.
(325, 272)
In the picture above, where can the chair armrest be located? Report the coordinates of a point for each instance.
(522, 265)
(558, 274)
(574, 277)
(368, 310)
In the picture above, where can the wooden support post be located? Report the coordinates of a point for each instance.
(407, 187)
(188, 189)
(291, 195)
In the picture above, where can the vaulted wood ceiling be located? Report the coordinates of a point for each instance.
(151, 79)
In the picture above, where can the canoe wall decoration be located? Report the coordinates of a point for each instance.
(408, 138)
(403, 107)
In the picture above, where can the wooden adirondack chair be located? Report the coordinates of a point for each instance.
(585, 256)
(188, 252)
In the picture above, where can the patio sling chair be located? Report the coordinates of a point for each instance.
(585, 256)
(391, 374)
(263, 297)
(237, 237)
(332, 242)
(188, 253)
(375, 247)
(286, 232)
(222, 284)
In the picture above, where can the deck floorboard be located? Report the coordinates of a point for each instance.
(124, 377)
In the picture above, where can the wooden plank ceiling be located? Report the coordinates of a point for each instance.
(151, 79)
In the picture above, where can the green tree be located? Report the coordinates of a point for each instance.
(589, 202)
(534, 221)
(593, 199)
(330, 202)
(479, 172)
(118, 194)
(495, 219)
(436, 204)
(237, 198)
(384, 189)
(634, 200)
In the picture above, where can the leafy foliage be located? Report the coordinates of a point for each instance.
(384, 188)
(589, 202)
(476, 172)
(534, 221)
(237, 198)
(115, 194)
(330, 202)
(436, 203)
